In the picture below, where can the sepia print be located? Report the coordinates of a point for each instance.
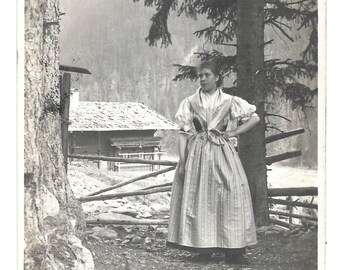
(172, 134)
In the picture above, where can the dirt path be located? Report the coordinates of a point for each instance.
(274, 251)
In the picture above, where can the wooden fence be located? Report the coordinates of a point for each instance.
(289, 193)
(166, 187)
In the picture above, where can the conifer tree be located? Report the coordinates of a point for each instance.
(240, 24)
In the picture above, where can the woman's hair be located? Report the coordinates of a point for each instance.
(214, 68)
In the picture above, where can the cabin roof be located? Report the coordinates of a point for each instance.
(110, 116)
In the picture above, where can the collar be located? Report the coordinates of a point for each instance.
(217, 91)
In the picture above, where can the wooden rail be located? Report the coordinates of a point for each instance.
(293, 203)
(167, 184)
(300, 191)
(127, 160)
(283, 135)
(132, 180)
(293, 215)
(269, 160)
(283, 223)
(123, 194)
(276, 158)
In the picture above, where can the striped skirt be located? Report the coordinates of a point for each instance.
(211, 208)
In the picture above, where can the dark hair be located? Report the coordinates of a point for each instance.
(214, 68)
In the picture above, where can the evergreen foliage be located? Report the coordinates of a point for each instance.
(285, 16)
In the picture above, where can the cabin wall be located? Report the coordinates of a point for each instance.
(99, 143)
(94, 142)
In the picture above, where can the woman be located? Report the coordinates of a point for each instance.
(211, 209)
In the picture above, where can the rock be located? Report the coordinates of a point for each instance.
(273, 229)
(307, 223)
(129, 236)
(93, 237)
(49, 203)
(128, 229)
(152, 227)
(313, 228)
(294, 231)
(307, 234)
(157, 207)
(96, 229)
(299, 233)
(162, 231)
(122, 201)
(262, 229)
(148, 241)
(144, 215)
(126, 241)
(115, 204)
(143, 233)
(73, 240)
(105, 233)
(127, 212)
(271, 232)
(84, 257)
(114, 216)
(137, 240)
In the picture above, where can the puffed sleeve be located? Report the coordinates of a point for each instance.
(240, 109)
(184, 117)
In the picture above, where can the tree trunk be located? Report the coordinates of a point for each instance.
(51, 214)
(250, 83)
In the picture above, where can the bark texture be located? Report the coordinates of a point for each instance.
(51, 214)
(250, 83)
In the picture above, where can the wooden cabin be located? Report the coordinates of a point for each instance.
(116, 129)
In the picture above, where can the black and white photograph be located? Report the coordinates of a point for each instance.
(173, 134)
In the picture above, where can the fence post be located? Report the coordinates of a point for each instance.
(290, 208)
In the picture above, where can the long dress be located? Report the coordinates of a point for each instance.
(211, 208)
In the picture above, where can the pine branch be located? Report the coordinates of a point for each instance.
(186, 72)
(282, 30)
(274, 127)
(159, 26)
(311, 18)
(225, 64)
(272, 60)
(300, 95)
(268, 42)
(281, 23)
(216, 35)
(277, 115)
(290, 68)
(188, 9)
(282, 12)
(311, 51)
(219, 12)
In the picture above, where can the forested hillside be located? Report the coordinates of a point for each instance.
(107, 37)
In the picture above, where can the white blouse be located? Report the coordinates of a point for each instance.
(239, 110)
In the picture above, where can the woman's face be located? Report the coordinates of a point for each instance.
(208, 79)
